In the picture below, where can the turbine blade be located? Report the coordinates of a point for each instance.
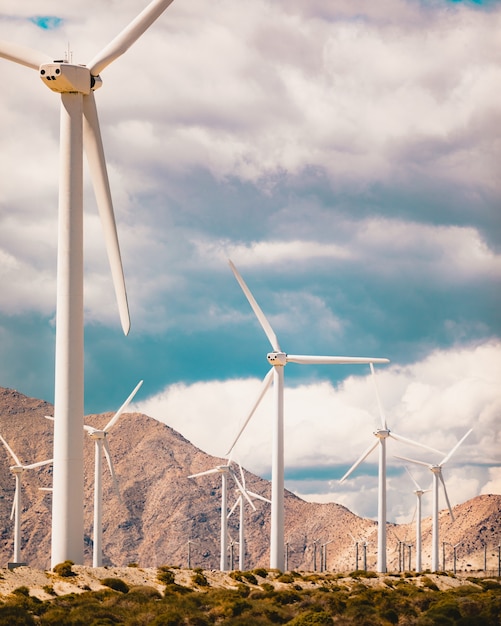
(107, 454)
(446, 496)
(128, 36)
(23, 55)
(89, 429)
(372, 447)
(49, 417)
(242, 475)
(406, 458)
(97, 165)
(242, 490)
(13, 510)
(215, 470)
(331, 360)
(445, 459)
(256, 496)
(413, 479)
(10, 451)
(264, 388)
(380, 406)
(413, 443)
(38, 464)
(266, 326)
(237, 502)
(117, 415)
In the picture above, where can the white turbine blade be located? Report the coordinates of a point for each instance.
(242, 475)
(445, 459)
(378, 398)
(264, 388)
(446, 495)
(117, 415)
(23, 55)
(110, 465)
(414, 514)
(128, 36)
(256, 496)
(413, 443)
(330, 360)
(93, 146)
(215, 470)
(10, 451)
(13, 510)
(413, 479)
(49, 417)
(242, 490)
(372, 447)
(266, 326)
(38, 464)
(406, 458)
(89, 429)
(237, 502)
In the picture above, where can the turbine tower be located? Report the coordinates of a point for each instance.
(17, 470)
(381, 434)
(243, 494)
(278, 359)
(100, 438)
(436, 469)
(223, 470)
(79, 129)
(419, 491)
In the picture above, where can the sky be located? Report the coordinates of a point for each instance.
(345, 156)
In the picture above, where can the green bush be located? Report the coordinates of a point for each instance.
(116, 583)
(260, 571)
(64, 569)
(165, 576)
(199, 578)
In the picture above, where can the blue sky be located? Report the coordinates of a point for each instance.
(345, 156)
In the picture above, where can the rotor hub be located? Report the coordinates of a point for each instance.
(277, 358)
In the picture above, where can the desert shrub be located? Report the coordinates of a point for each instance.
(285, 578)
(165, 576)
(145, 592)
(15, 616)
(241, 576)
(22, 591)
(361, 573)
(260, 571)
(49, 589)
(64, 569)
(428, 583)
(199, 578)
(312, 618)
(116, 583)
(133, 564)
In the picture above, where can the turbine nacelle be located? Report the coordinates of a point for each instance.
(382, 433)
(64, 77)
(97, 434)
(17, 469)
(277, 358)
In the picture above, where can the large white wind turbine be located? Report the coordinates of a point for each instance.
(243, 494)
(100, 437)
(436, 469)
(278, 359)
(381, 434)
(419, 491)
(79, 130)
(17, 470)
(224, 471)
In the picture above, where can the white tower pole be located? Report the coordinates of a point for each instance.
(17, 471)
(241, 539)
(418, 532)
(224, 523)
(277, 474)
(434, 538)
(97, 549)
(68, 485)
(381, 530)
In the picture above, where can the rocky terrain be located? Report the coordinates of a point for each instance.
(163, 515)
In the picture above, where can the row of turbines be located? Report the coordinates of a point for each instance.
(79, 132)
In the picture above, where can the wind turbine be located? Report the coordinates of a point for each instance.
(243, 494)
(100, 437)
(381, 434)
(79, 128)
(17, 470)
(436, 469)
(223, 470)
(278, 359)
(419, 491)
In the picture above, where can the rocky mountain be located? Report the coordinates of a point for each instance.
(163, 515)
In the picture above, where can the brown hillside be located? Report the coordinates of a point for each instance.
(162, 509)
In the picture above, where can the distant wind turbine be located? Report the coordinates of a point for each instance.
(79, 130)
(223, 470)
(278, 359)
(419, 491)
(382, 434)
(17, 470)
(243, 494)
(436, 469)
(100, 437)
